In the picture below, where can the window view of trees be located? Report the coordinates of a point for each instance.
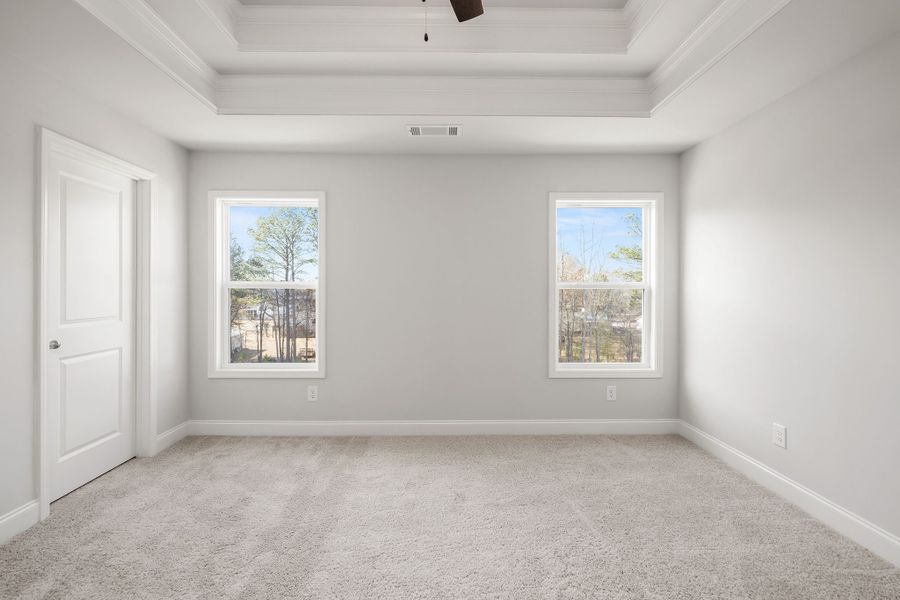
(276, 323)
(600, 326)
(602, 247)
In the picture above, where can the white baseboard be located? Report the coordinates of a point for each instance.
(881, 542)
(18, 520)
(175, 434)
(410, 428)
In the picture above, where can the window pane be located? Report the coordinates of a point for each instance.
(599, 244)
(270, 243)
(273, 326)
(600, 326)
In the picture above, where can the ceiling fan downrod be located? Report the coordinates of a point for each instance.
(464, 10)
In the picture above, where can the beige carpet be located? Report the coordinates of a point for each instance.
(423, 518)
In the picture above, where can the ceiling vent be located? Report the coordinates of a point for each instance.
(434, 130)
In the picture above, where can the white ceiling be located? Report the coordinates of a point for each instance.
(528, 76)
(513, 37)
(490, 3)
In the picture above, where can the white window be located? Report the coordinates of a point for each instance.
(605, 285)
(267, 284)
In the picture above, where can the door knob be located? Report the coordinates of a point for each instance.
(54, 344)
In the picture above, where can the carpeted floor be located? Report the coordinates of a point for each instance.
(426, 518)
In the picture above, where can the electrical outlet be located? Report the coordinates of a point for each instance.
(312, 393)
(610, 393)
(779, 435)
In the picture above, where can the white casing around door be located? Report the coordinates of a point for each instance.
(90, 304)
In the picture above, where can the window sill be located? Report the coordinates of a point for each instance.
(604, 373)
(232, 373)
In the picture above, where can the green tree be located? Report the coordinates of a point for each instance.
(285, 243)
(602, 325)
(627, 308)
(239, 270)
(630, 256)
(247, 269)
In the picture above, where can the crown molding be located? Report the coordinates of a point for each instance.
(510, 29)
(431, 96)
(141, 27)
(724, 29)
(310, 27)
(224, 14)
(638, 14)
(499, 16)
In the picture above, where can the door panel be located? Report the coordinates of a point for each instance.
(90, 312)
(91, 229)
(91, 399)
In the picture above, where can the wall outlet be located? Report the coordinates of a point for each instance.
(312, 393)
(779, 435)
(610, 393)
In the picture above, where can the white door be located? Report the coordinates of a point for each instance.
(90, 301)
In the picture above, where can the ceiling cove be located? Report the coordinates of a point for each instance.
(610, 58)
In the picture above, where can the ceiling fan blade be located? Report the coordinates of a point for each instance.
(467, 9)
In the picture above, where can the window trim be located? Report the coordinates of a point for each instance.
(652, 202)
(218, 287)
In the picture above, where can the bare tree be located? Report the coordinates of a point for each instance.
(285, 243)
(601, 325)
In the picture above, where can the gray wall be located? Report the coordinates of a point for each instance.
(31, 98)
(790, 248)
(437, 287)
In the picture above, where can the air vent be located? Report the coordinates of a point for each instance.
(434, 130)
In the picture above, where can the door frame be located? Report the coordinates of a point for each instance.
(145, 414)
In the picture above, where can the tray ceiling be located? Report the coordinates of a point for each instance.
(489, 3)
(528, 76)
(522, 58)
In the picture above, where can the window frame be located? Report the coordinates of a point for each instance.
(219, 335)
(651, 365)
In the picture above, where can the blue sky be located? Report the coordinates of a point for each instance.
(590, 234)
(243, 218)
